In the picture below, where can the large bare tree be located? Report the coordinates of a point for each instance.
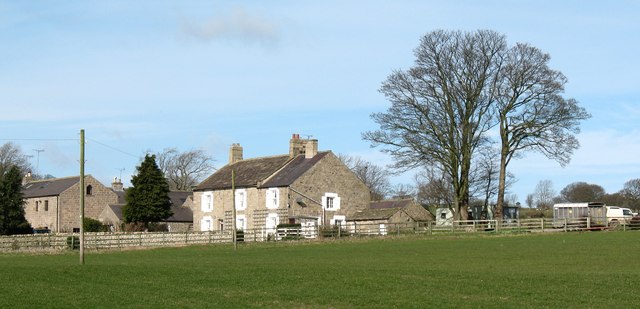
(374, 176)
(441, 107)
(10, 155)
(183, 170)
(533, 114)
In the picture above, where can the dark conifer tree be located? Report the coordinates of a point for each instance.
(148, 199)
(12, 220)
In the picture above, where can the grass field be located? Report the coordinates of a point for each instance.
(563, 270)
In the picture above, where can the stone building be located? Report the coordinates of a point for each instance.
(180, 221)
(54, 204)
(305, 186)
(380, 214)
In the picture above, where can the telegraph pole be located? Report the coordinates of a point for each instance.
(82, 197)
(233, 198)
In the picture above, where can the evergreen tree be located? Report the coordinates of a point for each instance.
(12, 220)
(148, 199)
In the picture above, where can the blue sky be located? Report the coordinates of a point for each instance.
(147, 75)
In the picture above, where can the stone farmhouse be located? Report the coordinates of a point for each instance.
(180, 221)
(305, 187)
(53, 204)
(380, 214)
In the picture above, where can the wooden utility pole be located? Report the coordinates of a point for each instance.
(233, 198)
(81, 197)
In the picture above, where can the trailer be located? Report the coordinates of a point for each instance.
(589, 215)
(579, 215)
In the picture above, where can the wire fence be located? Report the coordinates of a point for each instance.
(107, 241)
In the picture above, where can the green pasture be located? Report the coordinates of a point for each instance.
(560, 270)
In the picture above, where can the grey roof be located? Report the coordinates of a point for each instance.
(276, 171)
(390, 204)
(180, 213)
(247, 173)
(293, 170)
(48, 187)
(117, 210)
(374, 214)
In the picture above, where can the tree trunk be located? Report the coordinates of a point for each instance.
(504, 152)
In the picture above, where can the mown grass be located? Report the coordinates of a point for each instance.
(564, 270)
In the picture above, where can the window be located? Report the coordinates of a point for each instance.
(207, 201)
(241, 222)
(241, 199)
(273, 198)
(338, 221)
(272, 222)
(331, 201)
(89, 190)
(443, 215)
(37, 205)
(46, 205)
(206, 224)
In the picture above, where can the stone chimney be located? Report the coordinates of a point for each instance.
(311, 149)
(296, 146)
(27, 178)
(235, 153)
(117, 185)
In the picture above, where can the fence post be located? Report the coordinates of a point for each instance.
(565, 224)
(429, 228)
(397, 229)
(542, 224)
(588, 222)
(498, 223)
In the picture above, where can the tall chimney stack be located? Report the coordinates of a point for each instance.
(117, 185)
(296, 146)
(311, 149)
(235, 153)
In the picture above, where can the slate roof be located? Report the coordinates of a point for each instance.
(390, 204)
(180, 213)
(293, 170)
(276, 171)
(49, 187)
(374, 214)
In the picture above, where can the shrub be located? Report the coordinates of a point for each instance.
(92, 225)
(135, 227)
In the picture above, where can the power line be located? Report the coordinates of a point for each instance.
(113, 148)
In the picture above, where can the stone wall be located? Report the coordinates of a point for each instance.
(45, 215)
(95, 202)
(329, 175)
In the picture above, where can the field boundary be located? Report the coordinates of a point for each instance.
(98, 241)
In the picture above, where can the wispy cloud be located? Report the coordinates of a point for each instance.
(238, 25)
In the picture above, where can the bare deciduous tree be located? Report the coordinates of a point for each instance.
(532, 113)
(434, 188)
(183, 170)
(10, 155)
(375, 177)
(631, 193)
(441, 107)
(544, 194)
(485, 175)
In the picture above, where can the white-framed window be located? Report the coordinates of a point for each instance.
(206, 201)
(272, 222)
(241, 222)
(241, 199)
(331, 201)
(206, 224)
(339, 220)
(273, 198)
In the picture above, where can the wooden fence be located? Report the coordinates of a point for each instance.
(98, 241)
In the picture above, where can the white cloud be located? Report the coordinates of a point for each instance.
(239, 24)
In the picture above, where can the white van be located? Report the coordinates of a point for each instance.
(617, 215)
